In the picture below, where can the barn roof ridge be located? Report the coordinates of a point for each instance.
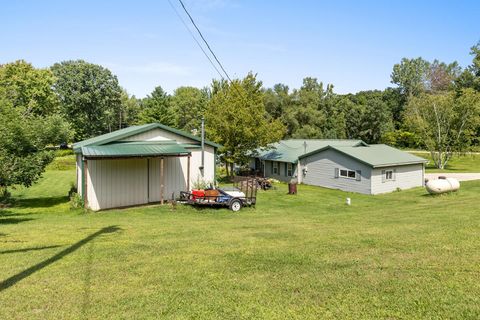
(133, 130)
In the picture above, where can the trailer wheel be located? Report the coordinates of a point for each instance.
(235, 205)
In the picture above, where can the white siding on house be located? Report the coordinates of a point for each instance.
(405, 177)
(116, 183)
(321, 171)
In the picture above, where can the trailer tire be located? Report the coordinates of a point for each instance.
(235, 205)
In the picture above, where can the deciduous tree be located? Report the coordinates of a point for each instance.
(236, 119)
(90, 97)
(445, 122)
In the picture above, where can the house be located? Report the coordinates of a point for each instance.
(349, 165)
(141, 164)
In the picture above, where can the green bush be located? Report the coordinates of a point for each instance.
(63, 152)
(76, 201)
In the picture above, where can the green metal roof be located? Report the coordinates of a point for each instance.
(375, 155)
(291, 150)
(133, 130)
(118, 150)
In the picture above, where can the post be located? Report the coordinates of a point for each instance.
(188, 173)
(161, 180)
(84, 191)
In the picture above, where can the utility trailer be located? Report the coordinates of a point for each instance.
(242, 193)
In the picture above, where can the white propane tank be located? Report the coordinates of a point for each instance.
(454, 183)
(438, 186)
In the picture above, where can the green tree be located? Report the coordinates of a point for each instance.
(90, 97)
(130, 109)
(189, 105)
(23, 143)
(29, 89)
(445, 122)
(157, 107)
(470, 77)
(236, 118)
(277, 100)
(410, 75)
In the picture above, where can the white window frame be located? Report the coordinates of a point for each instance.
(391, 177)
(289, 169)
(275, 167)
(346, 176)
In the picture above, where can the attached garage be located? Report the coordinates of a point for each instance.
(139, 165)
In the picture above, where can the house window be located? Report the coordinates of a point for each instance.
(289, 169)
(350, 174)
(275, 167)
(388, 175)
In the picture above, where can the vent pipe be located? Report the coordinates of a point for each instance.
(304, 147)
(203, 143)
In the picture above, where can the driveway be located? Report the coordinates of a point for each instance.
(458, 176)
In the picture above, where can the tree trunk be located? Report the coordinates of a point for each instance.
(226, 168)
(231, 169)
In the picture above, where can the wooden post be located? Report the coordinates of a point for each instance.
(85, 173)
(188, 173)
(161, 180)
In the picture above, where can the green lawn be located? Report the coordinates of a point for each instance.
(459, 163)
(404, 255)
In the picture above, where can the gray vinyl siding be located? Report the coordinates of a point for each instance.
(405, 177)
(321, 172)
(281, 176)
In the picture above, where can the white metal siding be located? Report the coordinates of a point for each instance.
(126, 182)
(116, 183)
(159, 135)
(321, 172)
(209, 166)
(175, 178)
(78, 163)
(406, 177)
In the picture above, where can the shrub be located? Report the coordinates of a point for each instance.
(76, 201)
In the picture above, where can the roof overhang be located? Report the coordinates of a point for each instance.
(134, 150)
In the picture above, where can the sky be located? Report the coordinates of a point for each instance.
(350, 44)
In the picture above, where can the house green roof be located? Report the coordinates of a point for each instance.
(291, 150)
(117, 150)
(374, 155)
(133, 130)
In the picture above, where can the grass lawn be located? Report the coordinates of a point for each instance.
(403, 255)
(462, 163)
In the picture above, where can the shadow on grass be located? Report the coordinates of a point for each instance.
(40, 202)
(13, 220)
(29, 249)
(7, 283)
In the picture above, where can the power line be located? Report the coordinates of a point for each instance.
(204, 40)
(195, 39)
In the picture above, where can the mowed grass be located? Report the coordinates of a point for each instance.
(469, 162)
(404, 255)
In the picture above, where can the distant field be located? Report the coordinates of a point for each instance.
(459, 163)
(405, 255)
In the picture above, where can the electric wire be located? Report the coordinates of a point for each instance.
(195, 39)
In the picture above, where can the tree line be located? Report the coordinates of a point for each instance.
(433, 105)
